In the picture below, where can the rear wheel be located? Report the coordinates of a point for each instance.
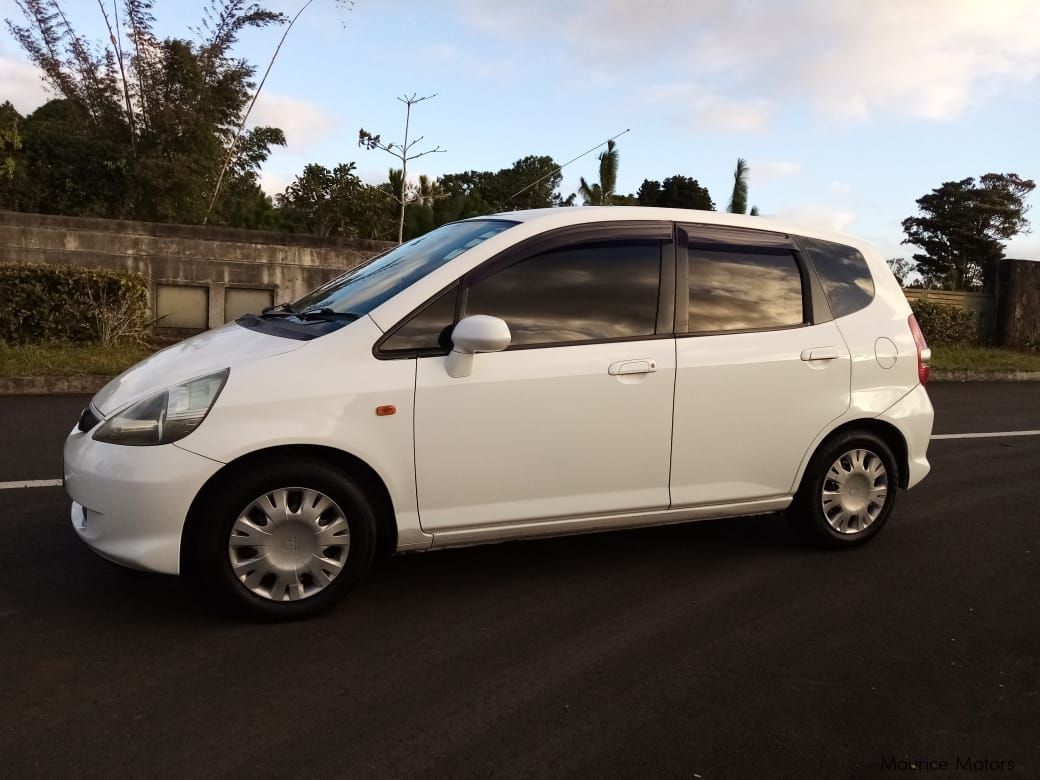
(848, 491)
(285, 541)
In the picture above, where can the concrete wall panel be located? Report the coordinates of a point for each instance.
(274, 266)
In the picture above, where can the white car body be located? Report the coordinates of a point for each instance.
(533, 442)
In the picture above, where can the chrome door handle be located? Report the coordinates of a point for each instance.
(820, 353)
(632, 367)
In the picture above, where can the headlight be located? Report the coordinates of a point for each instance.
(166, 416)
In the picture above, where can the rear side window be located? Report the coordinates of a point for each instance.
(844, 274)
(585, 292)
(743, 288)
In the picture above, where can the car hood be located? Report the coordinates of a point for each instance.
(205, 353)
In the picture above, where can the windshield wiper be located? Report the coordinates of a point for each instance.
(325, 313)
(281, 310)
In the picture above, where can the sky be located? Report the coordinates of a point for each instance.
(847, 111)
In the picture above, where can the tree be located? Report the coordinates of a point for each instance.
(65, 167)
(678, 192)
(336, 202)
(427, 191)
(602, 193)
(155, 118)
(10, 140)
(739, 199)
(961, 226)
(529, 183)
(232, 146)
(402, 151)
(901, 269)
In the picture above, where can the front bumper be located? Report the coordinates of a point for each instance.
(129, 504)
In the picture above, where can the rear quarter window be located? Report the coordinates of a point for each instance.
(844, 274)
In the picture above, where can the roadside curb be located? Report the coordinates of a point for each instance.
(88, 384)
(967, 375)
(81, 384)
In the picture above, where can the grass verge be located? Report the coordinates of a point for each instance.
(961, 357)
(69, 359)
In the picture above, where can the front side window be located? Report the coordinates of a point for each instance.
(743, 288)
(586, 292)
(428, 330)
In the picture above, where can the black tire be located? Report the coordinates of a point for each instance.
(211, 566)
(806, 512)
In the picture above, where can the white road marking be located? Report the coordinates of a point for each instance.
(30, 483)
(992, 435)
(38, 483)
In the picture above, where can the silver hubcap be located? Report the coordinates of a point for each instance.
(289, 544)
(854, 491)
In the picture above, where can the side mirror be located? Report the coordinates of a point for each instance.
(479, 333)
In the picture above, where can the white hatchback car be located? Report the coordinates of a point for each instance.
(525, 374)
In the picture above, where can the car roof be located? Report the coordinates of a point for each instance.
(580, 215)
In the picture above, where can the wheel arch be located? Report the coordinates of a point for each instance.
(889, 433)
(370, 480)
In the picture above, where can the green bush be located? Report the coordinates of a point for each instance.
(45, 303)
(942, 324)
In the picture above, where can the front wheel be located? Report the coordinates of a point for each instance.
(286, 541)
(848, 491)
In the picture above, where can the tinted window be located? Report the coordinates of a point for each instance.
(429, 328)
(580, 293)
(743, 289)
(844, 274)
(362, 289)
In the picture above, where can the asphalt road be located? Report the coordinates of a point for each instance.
(709, 650)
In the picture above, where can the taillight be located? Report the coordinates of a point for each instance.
(924, 355)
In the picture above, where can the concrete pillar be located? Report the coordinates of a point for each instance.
(216, 304)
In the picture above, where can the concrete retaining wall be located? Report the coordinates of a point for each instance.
(1018, 312)
(200, 276)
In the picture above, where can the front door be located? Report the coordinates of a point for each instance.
(575, 418)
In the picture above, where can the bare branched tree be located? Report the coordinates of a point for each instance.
(402, 151)
(117, 316)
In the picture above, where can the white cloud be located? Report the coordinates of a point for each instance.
(1024, 247)
(22, 84)
(841, 188)
(823, 217)
(451, 56)
(700, 108)
(305, 123)
(929, 59)
(775, 169)
(274, 182)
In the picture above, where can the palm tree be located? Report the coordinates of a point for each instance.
(396, 188)
(428, 191)
(738, 202)
(602, 194)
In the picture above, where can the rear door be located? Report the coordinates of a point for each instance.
(761, 367)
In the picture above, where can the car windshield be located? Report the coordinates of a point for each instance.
(361, 289)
